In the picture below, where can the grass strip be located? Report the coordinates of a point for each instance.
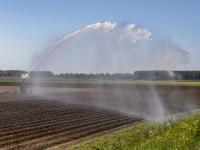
(100, 81)
(182, 133)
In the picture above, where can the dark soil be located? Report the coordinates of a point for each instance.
(43, 120)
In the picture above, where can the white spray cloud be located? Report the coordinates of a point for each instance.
(130, 34)
(25, 76)
(104, 47)
(167, 56)
(104, 27)
(95, 49)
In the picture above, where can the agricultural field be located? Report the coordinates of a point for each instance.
(57, 115)
(106, 81)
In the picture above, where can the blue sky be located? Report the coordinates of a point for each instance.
(30, 27)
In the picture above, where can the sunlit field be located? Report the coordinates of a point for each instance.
(99, 75)
(57, 114)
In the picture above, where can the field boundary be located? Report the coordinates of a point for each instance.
(163, 121)
(84, 139)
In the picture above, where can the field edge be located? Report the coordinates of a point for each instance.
(131, 127)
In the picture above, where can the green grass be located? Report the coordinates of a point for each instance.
(99, 81)
(183, 134)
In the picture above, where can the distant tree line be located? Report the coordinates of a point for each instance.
(166, 75)
(41, 74)
(96, 76)
(11, 73)
(18, 73)
(137, 75)
(36, 74)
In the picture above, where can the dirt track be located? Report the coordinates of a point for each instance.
(55, 115)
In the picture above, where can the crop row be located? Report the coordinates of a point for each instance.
(46, 124)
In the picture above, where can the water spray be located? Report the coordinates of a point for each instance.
(108, 26)
(23, 88)
(128, 31)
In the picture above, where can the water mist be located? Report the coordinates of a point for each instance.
(107, 48)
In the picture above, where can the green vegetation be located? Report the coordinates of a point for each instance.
(189, 78)
(182, 133)
(166, 75)
(153, 75)
(103, 81)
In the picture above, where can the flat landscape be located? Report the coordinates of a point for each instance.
(103, 81)
(58, 113)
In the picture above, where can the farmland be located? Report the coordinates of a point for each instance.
(56, 114)
(109, 81)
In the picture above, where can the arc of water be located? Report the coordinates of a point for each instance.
(107, 25)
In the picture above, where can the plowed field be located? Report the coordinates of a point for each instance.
(55, 115)
(42, 124)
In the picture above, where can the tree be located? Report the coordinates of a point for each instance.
(77, 75)
(91, 75)
(101, 75)
(107, 75)
(82, 75)
(66, 75)
(61, 75)
(71, 75)
(4, 74)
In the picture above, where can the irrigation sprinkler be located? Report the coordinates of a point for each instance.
(22, 89)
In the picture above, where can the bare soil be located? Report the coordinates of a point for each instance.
(56, 114)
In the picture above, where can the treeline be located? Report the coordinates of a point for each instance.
(43, 74)
(166, 75)
(137, 75)
(47, 74)
(11, 73)
(97, 76)
(19, 73)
